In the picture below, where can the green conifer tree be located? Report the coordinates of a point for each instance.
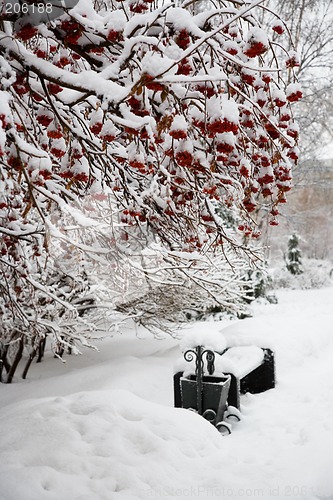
(294, 255)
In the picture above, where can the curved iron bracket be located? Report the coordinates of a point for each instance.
(198, 355)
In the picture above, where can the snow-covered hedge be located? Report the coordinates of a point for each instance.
(316, 274)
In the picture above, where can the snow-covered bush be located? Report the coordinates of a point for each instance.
(179, 294)
(316, 274)
(259, 285)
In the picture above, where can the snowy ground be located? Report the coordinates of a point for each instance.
(103, 426)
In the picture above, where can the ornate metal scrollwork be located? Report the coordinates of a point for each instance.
(198, 355)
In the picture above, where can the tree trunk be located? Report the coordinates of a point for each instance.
(41, 349)
(27, 366)
(16, 361)
(3, 360)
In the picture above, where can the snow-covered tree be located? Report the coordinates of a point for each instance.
(310, 23)
(294, 255)
(310, 206)
(166, 111)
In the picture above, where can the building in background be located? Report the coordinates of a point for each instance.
(309, 213)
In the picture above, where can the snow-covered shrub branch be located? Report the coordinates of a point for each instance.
(189, 288)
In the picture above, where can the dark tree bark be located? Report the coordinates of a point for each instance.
(28, 364)
(16, 361)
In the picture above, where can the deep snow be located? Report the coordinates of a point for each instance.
(103, 427)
